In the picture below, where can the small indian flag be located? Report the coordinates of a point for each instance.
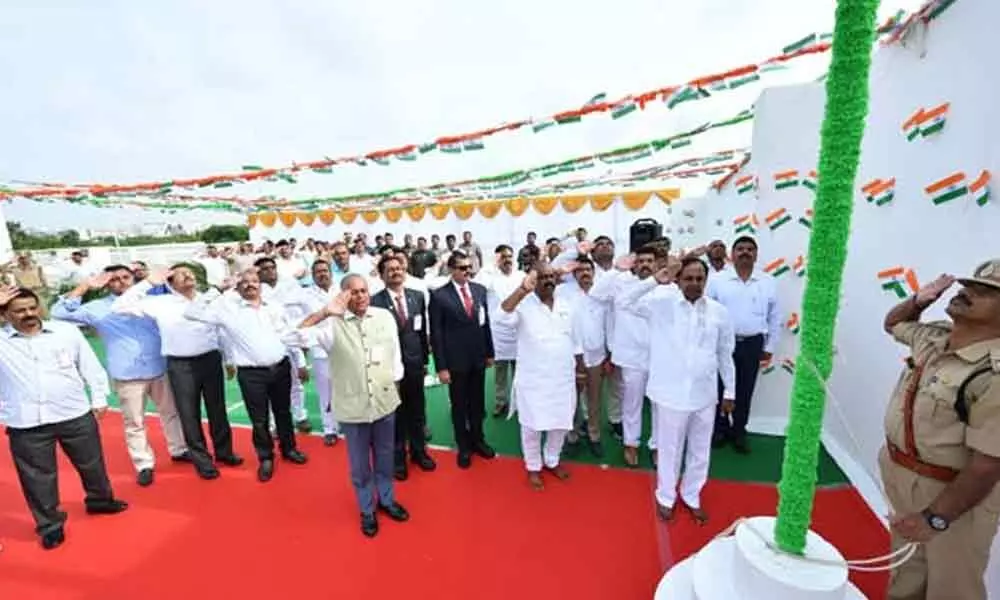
(777, 218)
(407, 156)
(933, 120)
(901, 281)
(745, 224)
(911, 126)
(947, 189)
(684, 94)
(767, 367)
(745, 184)
(451, 147)
(806, 220)
(777, 268)
(810, 181)
(625, 107)
(380, 160)
(786, 179)
(542, 124)
(793, 323)
(743, 80)
(980, 188)
(799, 266)
(472, 144)
(788, 365)
(880, 191)
(797, 45)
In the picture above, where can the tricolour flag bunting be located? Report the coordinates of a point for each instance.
(806, 220)
(745, 184)
(947, 189)
(767, 366)
(745, 224)
(777, 218)
(786, 179)
(933, 120)
(788, 365)
(811, 180)
(777, 268)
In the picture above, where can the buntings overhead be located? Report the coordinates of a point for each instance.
(670, 96)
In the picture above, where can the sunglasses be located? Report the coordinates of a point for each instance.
(463, 268)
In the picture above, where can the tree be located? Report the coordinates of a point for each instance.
(217, 234)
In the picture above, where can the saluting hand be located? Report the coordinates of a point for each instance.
(668, 274)
(98, 281)
(625, 263)
(338, 306)
(160, 276)
(7, 293)
(930, 293)
(530, 281)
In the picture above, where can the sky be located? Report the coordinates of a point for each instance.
(115, 91)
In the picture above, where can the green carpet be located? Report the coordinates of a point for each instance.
(763, 465)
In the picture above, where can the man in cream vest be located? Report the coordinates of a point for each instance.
(365, 367)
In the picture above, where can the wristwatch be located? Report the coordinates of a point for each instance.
(936, 522)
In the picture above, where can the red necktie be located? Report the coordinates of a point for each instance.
(400, 311)
(467, 300)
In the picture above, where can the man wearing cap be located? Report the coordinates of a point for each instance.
(941, 461)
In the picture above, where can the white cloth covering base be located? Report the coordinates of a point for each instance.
(742, 566)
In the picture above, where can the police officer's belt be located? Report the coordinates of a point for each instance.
(914, 464)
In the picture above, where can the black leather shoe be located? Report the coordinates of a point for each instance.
(233, 460)
(369, 525)
(184, 457)
(304, 426)
(596, 448)
(396, 512)
(330, 440)
(424, 461)
(53, 539)
(144, 478)
(484, 450)
(464, 460)
(207, 472)
(265, 471)
(741, 446)
(295, 457)
(105, 507)
(718, 441)
(400, 472)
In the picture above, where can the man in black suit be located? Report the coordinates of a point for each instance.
(410, 310)
(463, 349)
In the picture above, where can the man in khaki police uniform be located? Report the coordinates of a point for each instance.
(941, 461)
(366, 364)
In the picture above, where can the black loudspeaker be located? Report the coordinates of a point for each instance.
(643, 232)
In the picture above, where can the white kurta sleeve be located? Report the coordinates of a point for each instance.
(134, 301)
(724, 353)
(637, 298)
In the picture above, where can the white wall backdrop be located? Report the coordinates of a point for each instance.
(947, 63)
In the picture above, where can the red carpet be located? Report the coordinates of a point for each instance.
(480, 534)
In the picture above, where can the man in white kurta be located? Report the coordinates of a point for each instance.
(629, 345)
(545, 382)
(691, 346)
(500, 282)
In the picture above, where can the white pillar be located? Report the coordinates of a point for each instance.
(6, 248)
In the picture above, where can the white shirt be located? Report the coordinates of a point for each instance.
(216, 269)
(78, 273)
(361, 264)
(307, 301)
(292, 268)
(691, 346)
(629, 341)
(179, 336)
(498, 287)
(752, 304)
(590, 318)
(545, 378)
(256, 335)
(43, 378)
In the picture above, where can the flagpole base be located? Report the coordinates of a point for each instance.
(743, 566)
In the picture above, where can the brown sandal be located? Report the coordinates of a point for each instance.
(665, 514)
(700, 517)
(560, 473)
(535, 479)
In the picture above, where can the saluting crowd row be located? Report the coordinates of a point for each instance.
(568, 330)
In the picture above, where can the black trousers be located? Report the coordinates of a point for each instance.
(411, 415)
(34, 453)
(468, 407)
(191, 379)
(265, 390)
(746, 359)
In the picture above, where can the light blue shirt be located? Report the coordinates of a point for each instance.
(132, 343)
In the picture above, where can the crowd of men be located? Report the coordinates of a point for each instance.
(575, 335)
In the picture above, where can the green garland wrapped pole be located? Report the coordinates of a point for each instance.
(840, 150)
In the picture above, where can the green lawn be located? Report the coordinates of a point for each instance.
(763, 465)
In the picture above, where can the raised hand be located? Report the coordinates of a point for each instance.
(530, 281)
(668, 274)
(569, 267)
(338, 306)
(930, 293)
(7, 293)
(625, 263)
(159, 276)
(98, 281)
(584, 247)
